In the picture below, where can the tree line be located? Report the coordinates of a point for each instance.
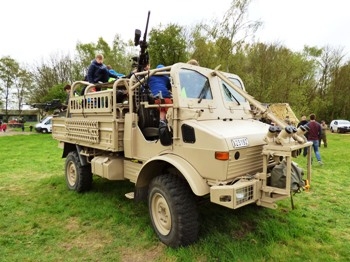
(314, 80)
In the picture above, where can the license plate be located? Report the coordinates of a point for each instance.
(239, 142)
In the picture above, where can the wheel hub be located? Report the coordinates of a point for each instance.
(161, 214)
(71, 173)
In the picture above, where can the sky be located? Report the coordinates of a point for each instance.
(32, 31)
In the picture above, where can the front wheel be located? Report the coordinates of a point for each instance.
(173, 211)
(78, 177)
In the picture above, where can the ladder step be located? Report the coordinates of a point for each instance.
(129, 195)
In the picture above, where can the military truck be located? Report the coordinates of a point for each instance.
(210, 147)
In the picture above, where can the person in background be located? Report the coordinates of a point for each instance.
(287, 120)
(67, 89)
(161, 90)
(3, 127)
(193, 62)
(323, 137)
(303, 122)
(314, 135)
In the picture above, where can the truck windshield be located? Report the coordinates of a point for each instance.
(194, 85)
(229, 93)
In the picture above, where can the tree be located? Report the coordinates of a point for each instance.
(275, 74)
(55, 92)
(23, 85)
(329, 62)
(337, 104)
(9, 71)
(167, 45)
(121, 53)
(325, 94)
(59, 69)
(85, 54)
(203, 50)
(235, 25)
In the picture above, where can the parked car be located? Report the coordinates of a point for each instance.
(45, 125)
(340, 126)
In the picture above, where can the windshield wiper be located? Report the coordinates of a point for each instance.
(229, 94)
(203, 92)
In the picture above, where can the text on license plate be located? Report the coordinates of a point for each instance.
(239, 142)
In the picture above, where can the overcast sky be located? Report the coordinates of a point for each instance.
(32, 30)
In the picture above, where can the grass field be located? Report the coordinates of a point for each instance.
(41, 220)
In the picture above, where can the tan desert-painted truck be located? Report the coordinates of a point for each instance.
(209, 146)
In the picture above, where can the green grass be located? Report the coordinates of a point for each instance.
(41, 220)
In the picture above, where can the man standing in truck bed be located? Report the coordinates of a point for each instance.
(98, 71)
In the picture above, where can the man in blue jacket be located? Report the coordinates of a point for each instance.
(161, 89)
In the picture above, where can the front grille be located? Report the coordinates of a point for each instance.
(245, 161)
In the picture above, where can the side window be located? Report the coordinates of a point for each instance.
(194, 85)
(229, 93)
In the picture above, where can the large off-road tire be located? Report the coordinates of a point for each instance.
(78, 177)
(173, 211)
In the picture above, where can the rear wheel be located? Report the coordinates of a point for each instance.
(173, 211)
(78, 177)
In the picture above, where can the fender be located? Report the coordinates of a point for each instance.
(67, 147)
(197, 183)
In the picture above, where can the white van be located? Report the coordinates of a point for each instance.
(45, 125)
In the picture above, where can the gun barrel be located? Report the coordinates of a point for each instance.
(50, 105)
(143, 57)
(145, 35)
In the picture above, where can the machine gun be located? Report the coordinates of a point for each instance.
(51, 105)
(143, 59)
